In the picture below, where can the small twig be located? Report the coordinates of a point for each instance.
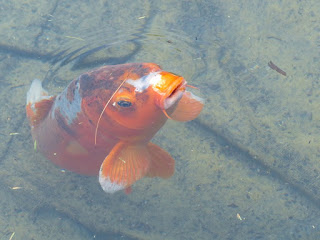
(276, 68)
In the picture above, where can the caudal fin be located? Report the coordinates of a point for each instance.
(38, 102)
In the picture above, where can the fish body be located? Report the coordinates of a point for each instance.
(103, 121)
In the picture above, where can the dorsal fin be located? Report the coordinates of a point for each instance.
(39, 110)
(38, 103)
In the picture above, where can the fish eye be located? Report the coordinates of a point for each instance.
(123, 103)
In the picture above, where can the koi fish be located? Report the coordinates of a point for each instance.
(102, 123)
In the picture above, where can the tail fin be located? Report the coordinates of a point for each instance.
(38, 102)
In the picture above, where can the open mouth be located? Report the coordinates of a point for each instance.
(170, 88)
(174, 93)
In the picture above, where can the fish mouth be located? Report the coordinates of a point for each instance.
(169, 88)
(174, 93)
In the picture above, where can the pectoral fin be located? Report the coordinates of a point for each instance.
(161, 163)
(127, 163)
(124, 165)
(188, 108)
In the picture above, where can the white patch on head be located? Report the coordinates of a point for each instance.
(143, 83)
(108, 186)
(36, 93)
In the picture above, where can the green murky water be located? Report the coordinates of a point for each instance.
(247, 168)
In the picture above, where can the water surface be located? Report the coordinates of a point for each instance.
(247, 168)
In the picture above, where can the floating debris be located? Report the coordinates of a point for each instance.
(12, 235)
(276, 68)
(77, 38)
(13, 133)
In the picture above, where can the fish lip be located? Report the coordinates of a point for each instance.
(174, 93)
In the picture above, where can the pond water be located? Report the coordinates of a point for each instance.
(246, 168)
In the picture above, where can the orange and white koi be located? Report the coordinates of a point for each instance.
(102, 123)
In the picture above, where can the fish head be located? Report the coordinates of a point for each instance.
(146, 91)
(136, 98)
